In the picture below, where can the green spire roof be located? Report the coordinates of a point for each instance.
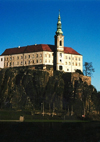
(59, 27)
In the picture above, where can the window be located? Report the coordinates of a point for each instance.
(73, 58)
(60, 60)
(25, 57)
(79, 59)
(45, 61)
(25, 62)
(7, 63)
(69, 63)
(1, 59)
(60, 54)
(28, 62)
(76, 64)
(10, 63)
(40, 60)
(7, 59)
(49, 61)
(76, 58)
(13, 63)
(37, 61)
(45, 55)
(73, 63)
(21, 63)
(40, 55)
(60, 67)
(13, 58)
(67, 69)
(33, 61)
(28, 56)
(69, 58)
(17, 63)
(17, 57)
(66, 63)
(33, 55)
(36, 55)
(60, 43)
(10, 58)
(49, 55)
(79, 64)
(21, 57)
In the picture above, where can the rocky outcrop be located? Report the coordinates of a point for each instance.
(28, 88)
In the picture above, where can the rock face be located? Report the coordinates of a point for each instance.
(26, 88)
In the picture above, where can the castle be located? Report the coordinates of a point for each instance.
(59, 57)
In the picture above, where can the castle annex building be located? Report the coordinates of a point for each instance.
(61, 58)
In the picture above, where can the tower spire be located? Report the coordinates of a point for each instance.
(59, 26)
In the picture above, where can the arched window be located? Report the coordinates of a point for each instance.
(60, 43)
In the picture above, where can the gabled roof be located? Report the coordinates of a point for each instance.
(37, 48)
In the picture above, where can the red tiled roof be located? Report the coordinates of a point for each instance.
(37, 48)
(27, 49)
(70, 50)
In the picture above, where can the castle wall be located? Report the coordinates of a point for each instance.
(1, 61)
(27, 59)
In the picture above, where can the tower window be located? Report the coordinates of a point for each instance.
(60, 43)
(60, 67)
(60, 54)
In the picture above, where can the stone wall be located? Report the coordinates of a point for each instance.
(80, 77)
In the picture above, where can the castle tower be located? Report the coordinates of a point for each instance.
(59, 44)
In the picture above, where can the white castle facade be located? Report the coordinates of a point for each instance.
(61, 58)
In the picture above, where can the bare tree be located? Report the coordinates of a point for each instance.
(88, 69)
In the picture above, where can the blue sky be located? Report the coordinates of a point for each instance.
(27, 22)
